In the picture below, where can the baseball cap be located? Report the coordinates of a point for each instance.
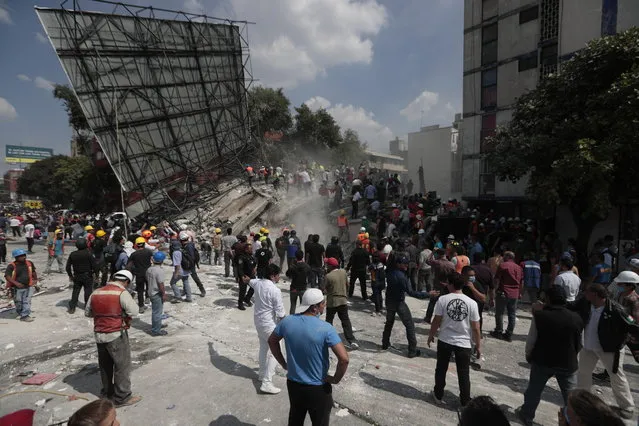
(331, 261)
(311, 297)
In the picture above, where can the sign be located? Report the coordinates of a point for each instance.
(26, 154)
(33, 204)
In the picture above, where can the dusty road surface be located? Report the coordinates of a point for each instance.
(205, 371)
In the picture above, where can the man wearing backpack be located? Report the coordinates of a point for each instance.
(112, 252)
(195, 255)
(183, 264)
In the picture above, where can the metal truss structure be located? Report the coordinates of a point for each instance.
(165, 93)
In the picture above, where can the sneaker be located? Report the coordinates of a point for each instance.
(248, 303)
(507, 337)
(496, 334)
(176, 300)
(141, 310)
(26, 319)
(164, 326)
(270, 389)
(352, 345)
(386, 346)
(241, 307)
(160, 333)
(438, 401)
(414, 354)
(131, 401)
(202, 292)
(71, 311)
(524, 420)
(188, 300)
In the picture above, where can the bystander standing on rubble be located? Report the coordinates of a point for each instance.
(55, 251)
(156, 292)
(182, 266)
(337, 299)
(227, 249)
(139, 262)
(81, 269)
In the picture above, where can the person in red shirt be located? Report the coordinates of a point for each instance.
(509, 279)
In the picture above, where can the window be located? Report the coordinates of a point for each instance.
(528, 62)
(549, 54)
(488, 126)
(489, 44)
(528, 15)
(489, 88)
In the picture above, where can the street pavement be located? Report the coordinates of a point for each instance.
(205, 371)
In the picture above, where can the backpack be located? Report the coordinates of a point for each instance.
(188, 262)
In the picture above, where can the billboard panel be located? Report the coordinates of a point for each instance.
(26, 154)
(165, 98)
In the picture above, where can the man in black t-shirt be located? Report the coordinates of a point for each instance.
(315, 259)
(263, 257)
(139, 262)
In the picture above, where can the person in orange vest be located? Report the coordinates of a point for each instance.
(459, 258)
(250, 174)
(90, 236)
(342, 225)
(111, 308)
(21, 279)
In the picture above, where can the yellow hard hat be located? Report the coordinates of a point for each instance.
(218, 231)
(58, 231)
(100, 233)
(262, 230)
(292, 225)
(266, 231)
(153, 228)
(342, 211)
(140, 240)
(88, 228)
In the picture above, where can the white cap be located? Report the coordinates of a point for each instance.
(634, 263)
(312, 296)
(627, 277)
(451, 237)
(362, 229)
(421, 231)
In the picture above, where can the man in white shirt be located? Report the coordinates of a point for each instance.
(268, 311)
(423, 274)
(29, 231)
(567, 279)
(457, 318)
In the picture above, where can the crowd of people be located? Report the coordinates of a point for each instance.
(579, 317)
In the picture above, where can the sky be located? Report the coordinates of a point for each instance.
(381, 67)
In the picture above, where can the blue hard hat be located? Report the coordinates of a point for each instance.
(18, 252)
(159, 257)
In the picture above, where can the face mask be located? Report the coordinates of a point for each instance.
(471, 279)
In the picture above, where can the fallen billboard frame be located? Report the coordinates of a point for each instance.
(166, 98)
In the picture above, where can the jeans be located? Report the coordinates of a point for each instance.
(114, 359)
(462, 360)
(295, 295)
(361, 276)
(268, 363)
(377, 297)
(185, 284)
(620, 388)
(157, 305)
(316, 400)
(141, 288)
(227, 264)
(503, 303)
(81, 281)
(316, 277)
(342, 313)
(401, 309)
(423, 280)
(216, 259)
(22, 299)
(539, 376)
(50, 260)
(197, 280)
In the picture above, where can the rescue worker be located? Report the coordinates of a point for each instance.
(357, 265)
(139, 262)
(342, 226)
(281, 245)
(102, 269)
(111, 308)
(90, 236)
(81, 268)
(21, 278)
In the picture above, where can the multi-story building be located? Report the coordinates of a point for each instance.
(509, 45)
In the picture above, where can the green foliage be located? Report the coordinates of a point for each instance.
(316, 129)
(350, 150)
(77, 120)
(269, 110)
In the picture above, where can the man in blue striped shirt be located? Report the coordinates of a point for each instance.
(532, 277)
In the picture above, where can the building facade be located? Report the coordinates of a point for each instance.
(432, 149)
(509, 45)
(393, 164)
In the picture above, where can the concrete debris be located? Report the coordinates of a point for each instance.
(40, 402)
(9, 346)
(343, 412)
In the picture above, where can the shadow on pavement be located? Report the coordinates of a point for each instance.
(519, 385)
(226, 303)
(232, 368)
(86, 380)
(228, 420)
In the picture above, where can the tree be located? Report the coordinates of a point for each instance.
(575, 135)
(316, 129)
(350, 150)
(269, 110)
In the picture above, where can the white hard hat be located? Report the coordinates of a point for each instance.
(628, 277)
(126, 275)
(634, 263)
(362, 229)
(394, 205)
(184, 227)
(451, 237)
(184, 236)
(421, 231)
